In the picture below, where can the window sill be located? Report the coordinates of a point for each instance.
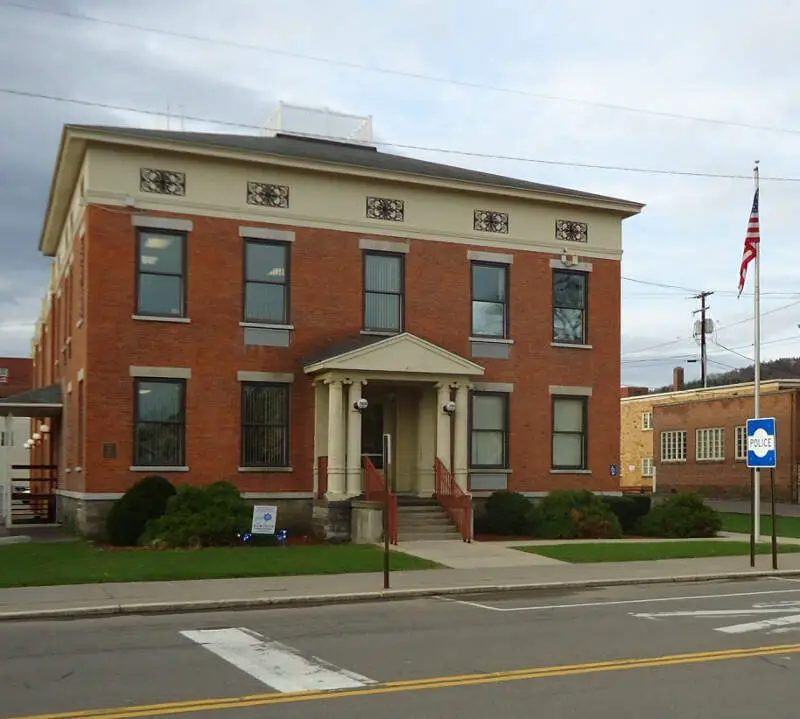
(495, 340)
(156, 318)
(570, 345)
(570, 471)
(489, 470)
(382, 333)
(78, 469)
(709, 461)
(265, 470)
(673, 461)
(158, 469)
(266, 326)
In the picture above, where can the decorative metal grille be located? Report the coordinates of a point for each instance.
(382, 208)
(266, 195)
(490, 221)
(571, 231)
(162, 182)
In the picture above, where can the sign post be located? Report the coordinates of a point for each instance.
(387, 460)
(761, 454)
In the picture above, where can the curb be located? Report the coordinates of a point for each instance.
(318, 600)
(15, 539)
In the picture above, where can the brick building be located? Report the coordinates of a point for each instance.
(220, 303)
(695, 439)
(16, 375)
(15, 378)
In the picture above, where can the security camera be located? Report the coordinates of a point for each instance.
(450, 407)
(360, 405)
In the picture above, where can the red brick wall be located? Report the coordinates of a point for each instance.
(731, 477)
(326, 302)
(20, 375)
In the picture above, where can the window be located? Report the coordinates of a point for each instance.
(647, 420)
(647, 467)
(266, 282)
(489, 300)
(265, 425)
(673, 446)
(160, 438)
(6, 439)
(569, 432)
(161, 267)
(383, 292)
(489, 430)
(569, 307)
(741, 442)
(710, 444)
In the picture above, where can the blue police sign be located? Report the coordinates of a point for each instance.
(761, 444)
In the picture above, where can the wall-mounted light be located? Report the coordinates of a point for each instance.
(450, 407)
(36, 437)
(44, 429)
(360, 405)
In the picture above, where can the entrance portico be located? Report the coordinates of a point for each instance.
(414, 390)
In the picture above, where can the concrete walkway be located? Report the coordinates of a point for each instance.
(782, 509)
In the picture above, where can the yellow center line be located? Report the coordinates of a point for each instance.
(464, 680)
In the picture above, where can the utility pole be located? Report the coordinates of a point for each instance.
(703, 354)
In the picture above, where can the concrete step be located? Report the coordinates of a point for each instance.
(428, 536)
(433, 509)
(415, 523)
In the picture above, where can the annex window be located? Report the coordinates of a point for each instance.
(673, 445)
(647, 420)
(741, 442)
(489, 300)
(266, 282)
(489, 430)
(710, 444)
(569, 432)
(265, 424)
(384, 282)
(647, 467)
(570, 293)
(160, 436)
(161, 269)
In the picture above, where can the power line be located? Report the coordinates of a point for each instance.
(398, 73)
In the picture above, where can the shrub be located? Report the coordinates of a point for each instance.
(144, 501)
(506, 514)
(565, 514)
(210, 516)
(681, 516)
(628, 510)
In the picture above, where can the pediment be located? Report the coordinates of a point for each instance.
(399, 354)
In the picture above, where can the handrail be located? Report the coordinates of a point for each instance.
(374, 491)
(454, 500)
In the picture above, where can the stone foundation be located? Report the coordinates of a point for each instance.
(366, 522)
(331, 520)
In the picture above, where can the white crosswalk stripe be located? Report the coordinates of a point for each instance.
(277, 665)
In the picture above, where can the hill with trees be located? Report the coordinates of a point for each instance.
(782, 368)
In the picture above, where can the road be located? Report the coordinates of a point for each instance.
(692, 650)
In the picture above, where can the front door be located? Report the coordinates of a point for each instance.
(372, 433)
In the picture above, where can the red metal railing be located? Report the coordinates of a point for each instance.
(454, 500)
(322, 476)
(374, 491)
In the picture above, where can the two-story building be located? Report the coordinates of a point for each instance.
(222, 305)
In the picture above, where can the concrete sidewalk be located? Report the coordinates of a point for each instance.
(208, 595)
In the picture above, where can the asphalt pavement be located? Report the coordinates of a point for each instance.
(727, 649)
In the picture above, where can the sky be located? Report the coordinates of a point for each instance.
(672, 103)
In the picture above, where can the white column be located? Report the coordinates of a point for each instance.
(354, 474)
(336, 437)
(461, 438)
(5, 471)
(426, 443)
(443, 424)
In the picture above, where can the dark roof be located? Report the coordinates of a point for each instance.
(342, 153)
(44, 395)
(340, 348)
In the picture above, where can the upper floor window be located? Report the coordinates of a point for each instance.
(741, 442)
(160, 422)
(569, 307)
(489, 300)
(647, 420)
(266, 282)
(161, 269)
(710, 444)
(673, 445)
(569, 432)
(489, 430)
(384, 281)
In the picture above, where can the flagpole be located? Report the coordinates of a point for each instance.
(757, 367)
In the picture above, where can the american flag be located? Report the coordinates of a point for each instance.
(751, 242)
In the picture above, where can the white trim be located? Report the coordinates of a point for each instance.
(174, 320)
(383, 246)
(266, 470)
(154, 222)
(569, 345)
(570, 471)
(247, 232)
(493, 387)
(281, 377)
(573, 391)
(492, 340)
(161, 372)
(496, 257)
(90, 496)
(576, 267)
(81, 374)
(158, 469)
(69, 387)
(265, 326)
(278, 495)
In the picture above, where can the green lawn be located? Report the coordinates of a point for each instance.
(40, 564)
(648, 551)
(785, 526)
